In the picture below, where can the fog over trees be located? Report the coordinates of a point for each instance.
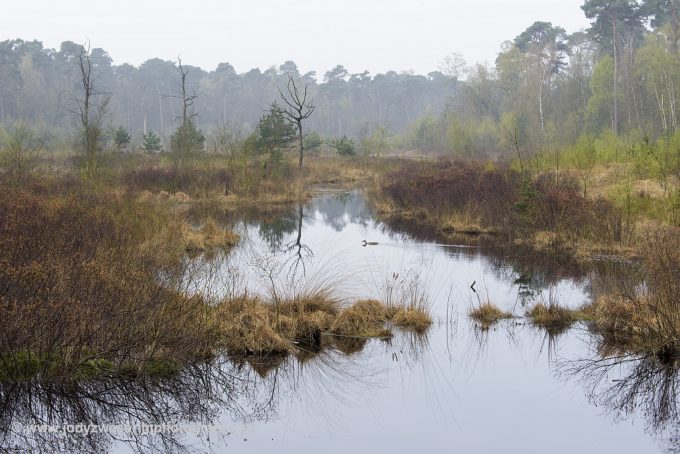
(547, 86)
(37, 85)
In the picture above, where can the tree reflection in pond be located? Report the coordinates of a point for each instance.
(211, 397)
(297, 252)
(633, 386)
(194, 396)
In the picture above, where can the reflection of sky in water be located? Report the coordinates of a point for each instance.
(465, 391)
(333, 228)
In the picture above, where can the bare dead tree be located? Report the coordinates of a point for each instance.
(183, 141)
(187, 100)
(91, 110)
(298, 108)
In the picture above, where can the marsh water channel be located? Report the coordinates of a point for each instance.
(512, 387)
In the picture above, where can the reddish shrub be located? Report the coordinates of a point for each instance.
(74, 284)
(451, 186)
(192, 181)
(502, 199)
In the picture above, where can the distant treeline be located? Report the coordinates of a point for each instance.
(38, 85)
(547, 89)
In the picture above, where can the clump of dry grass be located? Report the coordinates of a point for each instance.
(645, 319)
(488, 314)
(364, 319)
(555, 316)
(467, 222)
(412, 319)
(249, 326)
(209, 237)
(615, 315)
(307, 317)
(406, 302)
(182, 197)
(635, 325)
(619, 321)
(311, 315)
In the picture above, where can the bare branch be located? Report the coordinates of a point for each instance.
(297, 109)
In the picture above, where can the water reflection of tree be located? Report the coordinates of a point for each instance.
(341, 210)
(194, 396)
(335, 373)
(336, 211)
(274, 232)
(629, 385)
(245, 389)
(297, 251)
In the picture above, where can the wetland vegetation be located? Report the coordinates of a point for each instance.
(363, 240)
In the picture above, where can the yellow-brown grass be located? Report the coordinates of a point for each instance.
(646, 319)
(556, 316)
(488, 314)
(619, 321)
(467, 222)
(634, 325)
(349, 345)
(614, 314)
(364, 319)
(251, 326)
(209, 237)
(311, 316)
(412, 319)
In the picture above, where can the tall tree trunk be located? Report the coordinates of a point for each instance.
(160, 111)
(540, 105)
(675, 26)
(301, 143)
(144, 111)
(615, 113)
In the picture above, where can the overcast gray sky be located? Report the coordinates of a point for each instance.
(376, 35)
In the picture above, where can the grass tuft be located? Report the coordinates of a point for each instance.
(364, 319)
(249, 326)
(555, 316)
(488, 314)
(208, 238)
(412, 319)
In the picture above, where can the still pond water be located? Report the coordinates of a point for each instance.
(512, 388)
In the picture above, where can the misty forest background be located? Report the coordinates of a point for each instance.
(547, 89)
